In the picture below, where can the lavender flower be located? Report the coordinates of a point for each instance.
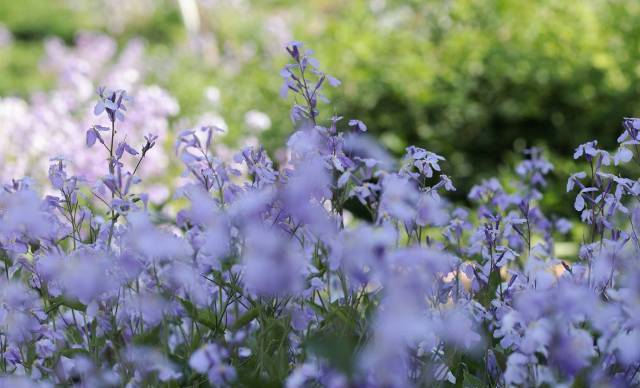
(256, 264)
(211, 360)
(273, 264)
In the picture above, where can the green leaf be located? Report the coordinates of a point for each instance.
(72, 352)
(149, 337)
(336, 349)
(70, 303)
(337, 338)
(271, 349)
(246, 318)
(202, 316)
(488, 293)
(360, 211)
(471, 381)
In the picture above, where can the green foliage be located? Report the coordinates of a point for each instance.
(60, 301)
(269, 363)
(468, 79)
(337, 337)
(31, 20)
(203, 316)
(17, 66)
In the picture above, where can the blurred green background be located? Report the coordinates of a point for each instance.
(474, 80)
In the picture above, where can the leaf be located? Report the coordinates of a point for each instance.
(336, 349)
(337, 338)
(72, 352)
(486, 295)
(70, 303)
(471, 381)
(272, 349)
(202, 316)
(358, 210)
(246, 318)
(149, 337)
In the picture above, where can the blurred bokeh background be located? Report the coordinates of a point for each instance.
(474, 80)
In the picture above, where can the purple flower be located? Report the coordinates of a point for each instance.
(152, 243)
(333, 81)
(147, 360)
(624, 155)
(431, 211)
(336, 231)
(563, 226)
(517, 369)
(211, 360)
(588, 149)
(399, 198)
(358, 124)
(113, 102)
(571, 351)
(122, 147)
(273, 263)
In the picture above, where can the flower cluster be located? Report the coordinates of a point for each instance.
(51, 124)
(333, 268)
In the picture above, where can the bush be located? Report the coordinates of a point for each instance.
(469, 79)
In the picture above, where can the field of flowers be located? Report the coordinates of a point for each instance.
(332, 264)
